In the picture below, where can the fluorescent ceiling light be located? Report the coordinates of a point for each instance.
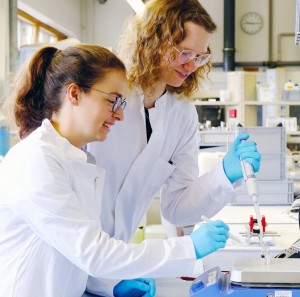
(137, 5)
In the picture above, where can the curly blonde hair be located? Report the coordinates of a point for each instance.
(146, 37)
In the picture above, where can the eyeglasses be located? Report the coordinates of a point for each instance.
(117, 103)
(186, 56)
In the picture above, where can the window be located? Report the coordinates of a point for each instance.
(32, 31)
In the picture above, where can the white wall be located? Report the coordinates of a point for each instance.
(284, 22)
(90, 21)
(65, 15)
(4, 49)
(110, 16)
(215, 9)
(109, 20)
(255, 48)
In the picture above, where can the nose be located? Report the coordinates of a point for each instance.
(119, 114)
(190, 66)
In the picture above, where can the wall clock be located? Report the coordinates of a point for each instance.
(251, 22)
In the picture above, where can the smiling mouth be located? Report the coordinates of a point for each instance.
(107, 125)
(182, 75)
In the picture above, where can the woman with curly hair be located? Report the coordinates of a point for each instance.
(166, 51)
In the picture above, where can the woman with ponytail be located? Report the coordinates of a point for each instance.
(51, 238)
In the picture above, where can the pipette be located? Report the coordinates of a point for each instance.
(232, 236)
(251, 184)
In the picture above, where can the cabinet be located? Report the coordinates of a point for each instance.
(247, 114)
(242, 88)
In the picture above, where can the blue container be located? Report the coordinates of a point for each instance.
(4, 140)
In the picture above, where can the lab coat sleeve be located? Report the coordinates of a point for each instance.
(45, 200)
(101, 287)
(185, 196)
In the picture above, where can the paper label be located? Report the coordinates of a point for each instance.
(283, 293)
(212, 278)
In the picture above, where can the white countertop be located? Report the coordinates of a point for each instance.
(175, 287)
(278, 220)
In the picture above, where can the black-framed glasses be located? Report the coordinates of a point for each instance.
(186, 56)
(117, 103)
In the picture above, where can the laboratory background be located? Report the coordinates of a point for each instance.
(253, 88)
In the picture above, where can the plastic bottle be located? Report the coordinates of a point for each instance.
(4, 137)
(289, 85)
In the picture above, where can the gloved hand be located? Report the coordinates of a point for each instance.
(135, 288)
(240, 149)
(209, 238)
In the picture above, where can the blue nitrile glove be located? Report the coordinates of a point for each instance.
(135, 288)
(240, 149)
(209, 238)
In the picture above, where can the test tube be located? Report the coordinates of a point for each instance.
(248, 235)
(265, 255)
(225, 284)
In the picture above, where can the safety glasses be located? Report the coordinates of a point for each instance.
(117, 103)
(185, 56)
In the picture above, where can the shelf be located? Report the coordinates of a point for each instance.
(249, 112)
(224, 132)
(254, 103)
(215, 103)
(216, 130)
(278, 103)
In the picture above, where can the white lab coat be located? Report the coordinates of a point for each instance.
(50, 232)
(137, 170)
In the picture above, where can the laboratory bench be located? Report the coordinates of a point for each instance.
(279, 220)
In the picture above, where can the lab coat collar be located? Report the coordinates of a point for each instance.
(62, 142)
(160, 101)
(158, 112)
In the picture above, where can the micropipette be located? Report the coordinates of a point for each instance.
(251, 184)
